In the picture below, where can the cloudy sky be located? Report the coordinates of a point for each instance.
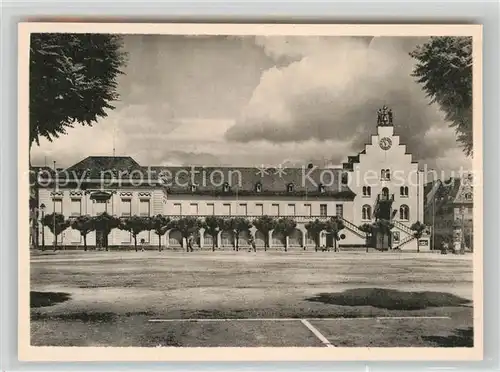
(246, 101)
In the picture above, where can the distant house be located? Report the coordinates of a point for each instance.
(448, 205)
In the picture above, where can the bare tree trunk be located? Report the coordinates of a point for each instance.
(85, 242)
(135, 242)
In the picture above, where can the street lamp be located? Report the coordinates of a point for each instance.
(42, 209)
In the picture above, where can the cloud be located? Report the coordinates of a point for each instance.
(332, 90)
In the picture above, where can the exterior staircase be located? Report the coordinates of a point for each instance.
(402, 227)
(353, 228)
(405, 241)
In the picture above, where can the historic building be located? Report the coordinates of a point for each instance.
(449, 211)
(380, 182)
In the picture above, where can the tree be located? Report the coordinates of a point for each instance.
(135, 225)
(418, 229)
(212, 226)
(159, 224)
(238, 225)
(368, 229)
(333, 226)
(56, 224)
(444, 68)
(104, 223)
(286, 226)
(84, 224)
(73, 79)
(314, 229)
(187, 226)
(265, 225)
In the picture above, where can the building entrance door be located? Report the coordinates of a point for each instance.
(383, 241)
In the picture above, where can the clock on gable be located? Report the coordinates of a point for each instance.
(385, 143)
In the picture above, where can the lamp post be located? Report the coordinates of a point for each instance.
(433, 237)
(54, 208)
(42, 209)
(462, 240)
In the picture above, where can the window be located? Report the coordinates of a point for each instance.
(144, 208)
(308, 209)
(226, 187)
(210, 209)
(403, 191)
(404, 212)
(58, 206)
(291, 210)
(323, 210)
(258, 187)
(275, 210)
(193, 209)
(290, 187)
(321, 188)
(367, 191)
(76, 207)
(177, 209)
(468, 196)
(226, 209)
(366, 212)
(126, 207)
(385, 174)
(339, 210)
(193, 188)
(242, 209)
(259, 209)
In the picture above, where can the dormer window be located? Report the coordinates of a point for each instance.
(468, 196)
(193, 188)
(258, 187)
(290, 187)
(226, 187)
(321, 188)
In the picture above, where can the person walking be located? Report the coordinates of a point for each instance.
(251, 241)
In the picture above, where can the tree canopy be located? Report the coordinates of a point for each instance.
(73, 79)
(444, 68)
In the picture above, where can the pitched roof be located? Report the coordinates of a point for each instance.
(244, 181)
(105, 162)
(210, 180)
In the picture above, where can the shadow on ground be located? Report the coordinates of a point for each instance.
(389, 299)
(461, 338)
(43, 299)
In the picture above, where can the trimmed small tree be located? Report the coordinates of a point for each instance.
(159, 224)
(265, 224)
(333, 226)
(84, 224)
(105, 222)
(56, 224)
(418, 229)
(187, 226)
(368, 229)
(238, 225)
(212, 226)
(286, 226)
(314, 229)
(135, 225)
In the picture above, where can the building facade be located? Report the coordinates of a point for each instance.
(449, 209)
(380, 182)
